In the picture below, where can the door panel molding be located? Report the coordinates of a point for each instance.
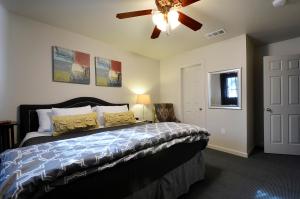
(293, 89)
(294, 64)
(276, 129)
(294, 129)
(276, 95)
(276, 65)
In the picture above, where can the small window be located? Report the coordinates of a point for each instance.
(232, 87)
(229, 88)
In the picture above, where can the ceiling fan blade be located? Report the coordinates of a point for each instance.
(189, 22)
(188, 2)
(155, 33)
(134, 14)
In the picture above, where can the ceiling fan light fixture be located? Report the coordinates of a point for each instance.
(166, 22)
(166, 17)
(159, 20)
(173, 17)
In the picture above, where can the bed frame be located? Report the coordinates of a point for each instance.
(154, 176)
(28, 118)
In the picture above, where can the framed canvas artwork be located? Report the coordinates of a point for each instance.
(70, 66)
(108, 72)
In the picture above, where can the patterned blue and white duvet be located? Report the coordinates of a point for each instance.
(25, 170)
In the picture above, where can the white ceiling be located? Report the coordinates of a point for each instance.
(96, 19)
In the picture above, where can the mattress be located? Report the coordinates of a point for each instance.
(50, 166)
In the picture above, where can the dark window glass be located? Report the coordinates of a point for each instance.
(229, 88)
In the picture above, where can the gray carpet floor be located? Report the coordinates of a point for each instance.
(261, 176)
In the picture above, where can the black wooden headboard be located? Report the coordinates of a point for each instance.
(28, 118)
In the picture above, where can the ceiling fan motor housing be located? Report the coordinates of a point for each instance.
(165, 5)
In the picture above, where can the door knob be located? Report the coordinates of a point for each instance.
(200, 109)
(268, 109)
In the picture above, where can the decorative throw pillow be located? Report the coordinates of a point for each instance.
(74, 123)
(117, 119)
(100, 110)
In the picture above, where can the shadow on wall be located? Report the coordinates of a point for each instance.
(258, 96)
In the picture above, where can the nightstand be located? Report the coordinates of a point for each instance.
(7, 135)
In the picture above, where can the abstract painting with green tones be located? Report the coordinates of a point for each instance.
(70, 66)
(108, 72)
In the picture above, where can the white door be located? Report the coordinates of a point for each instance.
(193, 95)
(282, 104)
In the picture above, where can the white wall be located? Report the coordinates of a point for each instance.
(223, 55)
(4, 21)
(287, 47)
(29, 75)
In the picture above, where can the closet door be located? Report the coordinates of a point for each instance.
(193, 95)
(282, 104)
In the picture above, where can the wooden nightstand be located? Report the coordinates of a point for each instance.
(7, 135)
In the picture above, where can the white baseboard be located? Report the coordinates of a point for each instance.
(227, 150)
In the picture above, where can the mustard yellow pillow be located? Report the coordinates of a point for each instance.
(73, 123)
(117, 119)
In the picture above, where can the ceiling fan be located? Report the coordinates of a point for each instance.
(167, 16)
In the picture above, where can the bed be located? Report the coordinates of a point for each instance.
(141, 165)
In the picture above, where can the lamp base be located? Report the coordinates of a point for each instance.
(143, 112)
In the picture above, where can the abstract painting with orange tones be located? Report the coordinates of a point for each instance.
(108, 72)
(70, 66)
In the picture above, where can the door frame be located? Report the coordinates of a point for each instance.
(200, 64)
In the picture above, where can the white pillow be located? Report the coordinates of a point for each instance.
(100, 110)
(45, 116)
(72, 111)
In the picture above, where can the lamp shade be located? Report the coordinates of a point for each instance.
(143, 99)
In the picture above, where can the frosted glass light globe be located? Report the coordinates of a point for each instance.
(159, 20)
(173, 17)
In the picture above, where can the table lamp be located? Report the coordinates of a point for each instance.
(144, 100)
